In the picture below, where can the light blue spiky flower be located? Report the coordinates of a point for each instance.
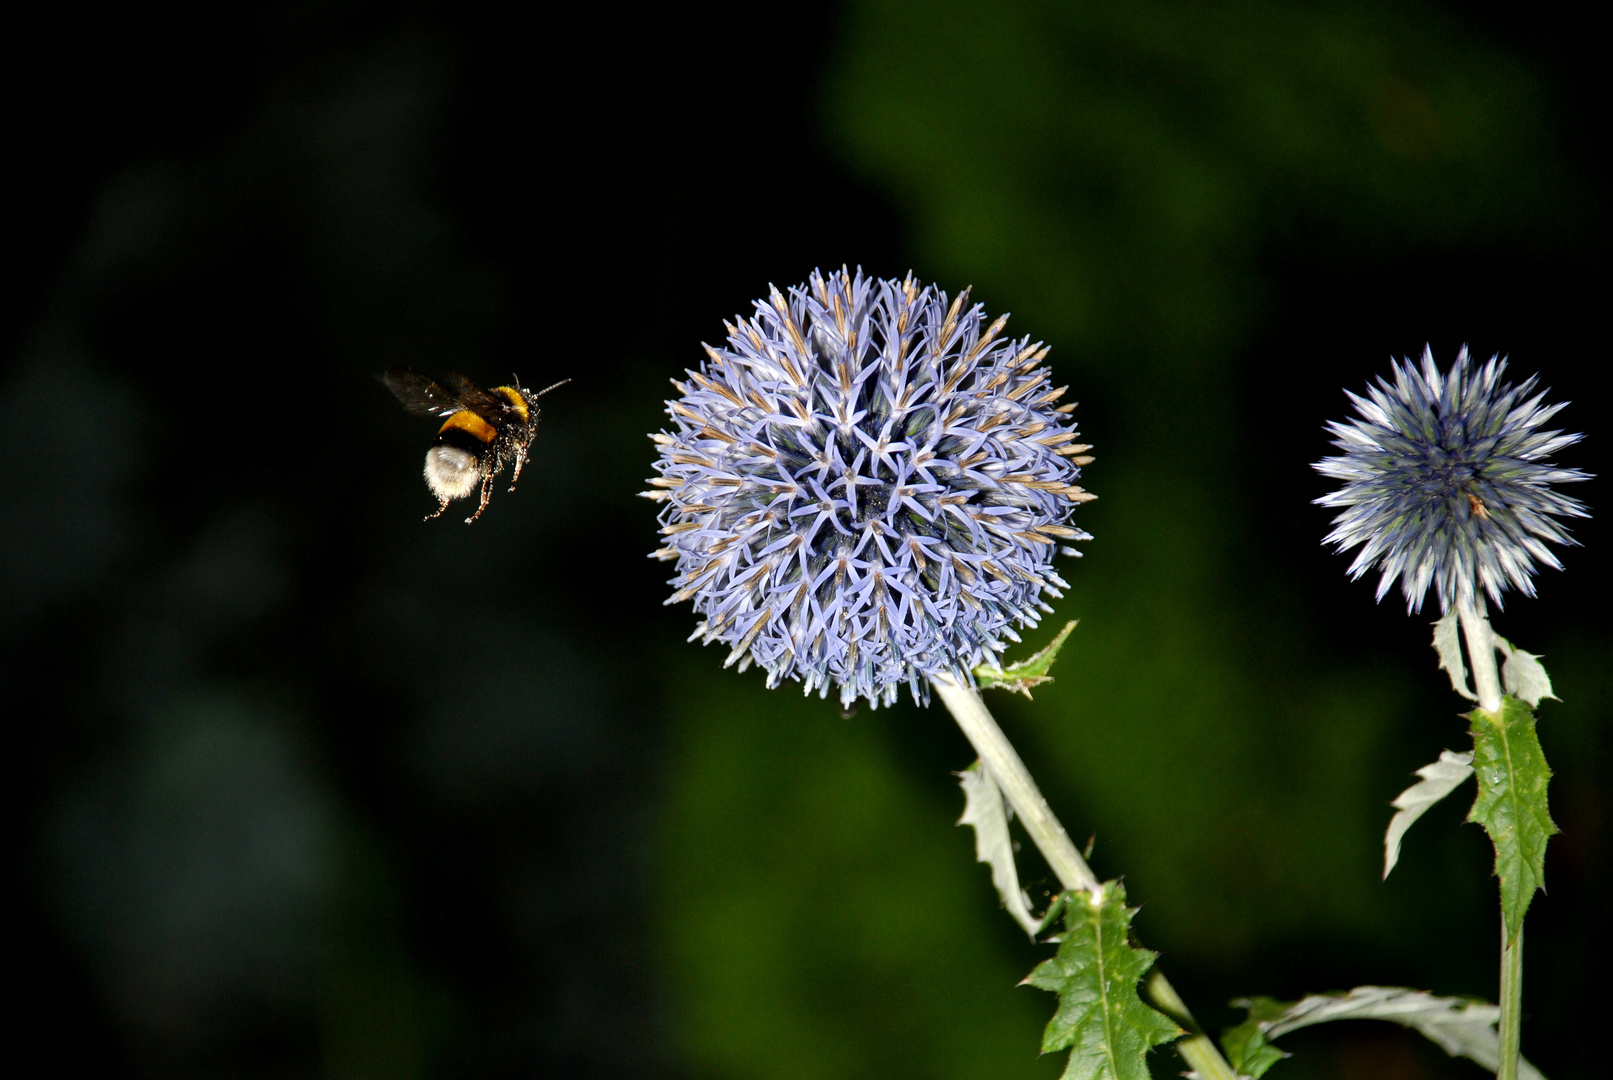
(867, 486)
(1446, 482)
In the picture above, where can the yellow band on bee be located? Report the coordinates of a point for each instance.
(517, 402)
(466, 420)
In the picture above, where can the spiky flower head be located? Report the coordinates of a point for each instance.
(1446, 482)
(867, 486)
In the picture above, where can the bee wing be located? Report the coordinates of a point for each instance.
(425, 396)
(471, 396)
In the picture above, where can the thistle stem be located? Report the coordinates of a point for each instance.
(999, 756)
(1481, 654)
(1015, 780)
(1511, 1004)
(1487, 684)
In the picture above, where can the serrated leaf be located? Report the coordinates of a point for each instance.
(985, 812)
(1438, 780)
(1511, 803)
(1019, 677)
(1461, 1027)
(1523, 676)
(1246, 1047)
(1448, 643)
(1100, 1018)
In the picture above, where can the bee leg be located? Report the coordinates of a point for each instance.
(520, 459)
(442, 504)
(487, 493)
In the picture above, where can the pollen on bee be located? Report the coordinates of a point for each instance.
(451, 473)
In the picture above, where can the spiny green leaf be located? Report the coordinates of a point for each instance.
(1021, 676)
(1448, 643)
(1511, 803)
(1523, 676)
(1462, 1027)
(1246, 1045)
(983, 809)
(1438, 780)
(1100, 1018)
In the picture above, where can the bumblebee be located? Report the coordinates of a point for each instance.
(486, 431)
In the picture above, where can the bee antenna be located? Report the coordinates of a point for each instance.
(556, 386)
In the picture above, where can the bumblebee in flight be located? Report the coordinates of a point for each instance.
(485, 432)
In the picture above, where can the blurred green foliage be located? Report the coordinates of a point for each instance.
(1118, 174)
(1113, 169)
(824, 916)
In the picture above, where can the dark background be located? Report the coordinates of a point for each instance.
(303, 785)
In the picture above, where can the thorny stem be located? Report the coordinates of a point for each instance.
(1487, 683)
(999, 756)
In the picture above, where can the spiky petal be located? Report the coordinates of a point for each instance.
(1446, 482)
(867, 486)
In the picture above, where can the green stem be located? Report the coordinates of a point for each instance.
(1511, 1004)
(1487, 684)
(999, 756)
(1198, 1049)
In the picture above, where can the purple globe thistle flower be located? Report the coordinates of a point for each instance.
(1446, 482)
(867, 487)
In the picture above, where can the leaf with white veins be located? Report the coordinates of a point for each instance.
(1438, 780)
(1448, 643)
(983, 809)
(1460, 1026)
(1100, 1018)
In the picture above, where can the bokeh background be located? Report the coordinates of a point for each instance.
(300, 785)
